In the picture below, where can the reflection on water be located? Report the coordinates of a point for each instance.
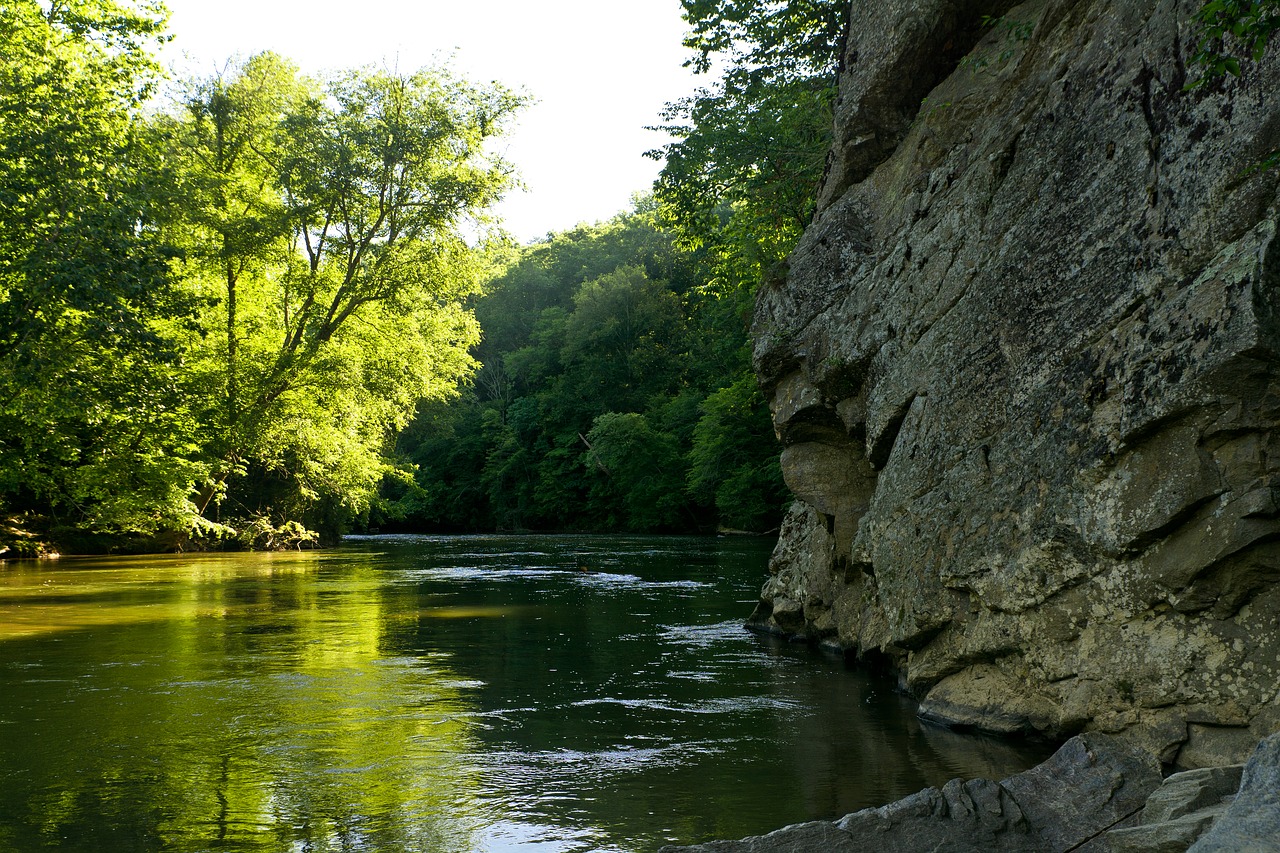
(437, 694)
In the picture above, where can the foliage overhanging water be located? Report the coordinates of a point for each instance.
(434, 693)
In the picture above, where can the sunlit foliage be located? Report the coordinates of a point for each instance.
(214, 316)
(92, 432)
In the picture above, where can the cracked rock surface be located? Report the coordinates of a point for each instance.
(1024, 364)
(1251, 823)
(1181, 810)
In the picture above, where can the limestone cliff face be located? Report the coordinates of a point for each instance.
(1025, 365)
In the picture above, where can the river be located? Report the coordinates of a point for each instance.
(480, 693)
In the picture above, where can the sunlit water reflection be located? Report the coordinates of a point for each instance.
(434, 694)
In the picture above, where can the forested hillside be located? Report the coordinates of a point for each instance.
(616, 391)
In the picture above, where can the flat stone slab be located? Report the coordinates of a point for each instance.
(1094, 782)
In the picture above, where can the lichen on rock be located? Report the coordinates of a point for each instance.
(1024, 366)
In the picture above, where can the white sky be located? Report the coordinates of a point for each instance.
(600, 70)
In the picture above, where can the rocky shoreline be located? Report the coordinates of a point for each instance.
(1096, 794)
(1025, 367)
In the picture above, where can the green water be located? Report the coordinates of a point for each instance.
(434, 694)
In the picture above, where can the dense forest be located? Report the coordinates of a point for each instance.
(614, 393)
(260, 309)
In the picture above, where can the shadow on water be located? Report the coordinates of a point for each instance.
(435, 693)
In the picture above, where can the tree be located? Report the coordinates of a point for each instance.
(624, 342)
(328, 227)
(734, 458)
(600, 383)
(1247, 25)
(226, 147)
(92, 435)
(742, 175)
(546, 274)
(640, 472)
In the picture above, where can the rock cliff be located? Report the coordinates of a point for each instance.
(1025, 366)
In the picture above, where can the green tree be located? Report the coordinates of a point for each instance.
(593, 399)
(446, 445)
(92, 432)
(640, 472)
(1248, 24)
(328, 228)
(742, 174)
(226, 148)
(734, 458)
(1229, 30)
(548, 273)
(624, 342)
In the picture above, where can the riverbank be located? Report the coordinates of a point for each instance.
(38, 537)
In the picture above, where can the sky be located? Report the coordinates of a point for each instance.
(599, 71)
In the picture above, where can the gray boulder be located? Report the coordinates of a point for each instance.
(1179, 811)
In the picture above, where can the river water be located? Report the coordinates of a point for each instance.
(482, 693)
